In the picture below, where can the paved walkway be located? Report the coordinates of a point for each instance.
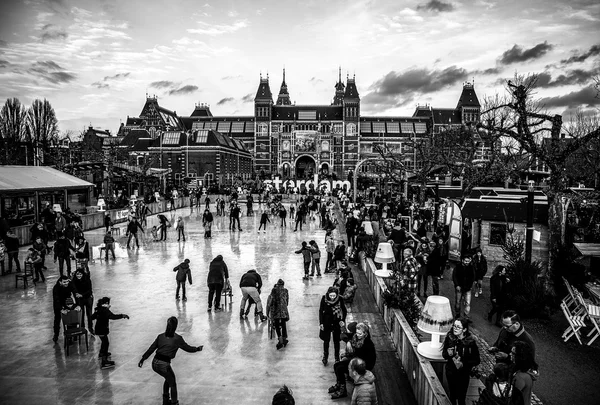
(239, 364)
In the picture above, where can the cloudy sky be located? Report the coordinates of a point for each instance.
(95, 60)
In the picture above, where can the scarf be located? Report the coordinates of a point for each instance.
(358, 343)
(335, 305)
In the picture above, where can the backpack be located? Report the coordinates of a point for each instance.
(487, 397)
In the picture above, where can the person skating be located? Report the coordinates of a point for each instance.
(264, 218)
(166, 346)
(180, 228)
(109, 245)
(234, 217)
(250, 284)
(316, 258)
(132, 229)
(164, 224)
(183, 272)
(63, 300)
(282, 215)
(339, 254)
(298, 220)
(306, 258)
(332, 318)
(461, 354)
(207, 221)
(102, 315)
(329, 248)
(277, 311)
(82, 283)
(62, 253)
(218, 276)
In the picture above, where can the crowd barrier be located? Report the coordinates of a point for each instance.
(426, 385)
(96, 220)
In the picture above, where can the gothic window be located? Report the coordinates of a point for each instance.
(152, 132)
(338, 128)
(351, 129)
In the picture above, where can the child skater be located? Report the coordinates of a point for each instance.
(154, 233)
(102, 314)
(264, 218)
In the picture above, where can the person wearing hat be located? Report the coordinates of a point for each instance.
(277, 311)
(218, 277)
(463, 277)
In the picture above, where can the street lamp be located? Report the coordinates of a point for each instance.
(529, 232)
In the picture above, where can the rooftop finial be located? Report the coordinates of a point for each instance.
(284, 73)
(340, 74)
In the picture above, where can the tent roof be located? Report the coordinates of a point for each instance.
(28, 178)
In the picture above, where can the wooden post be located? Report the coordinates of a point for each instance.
(36, 206)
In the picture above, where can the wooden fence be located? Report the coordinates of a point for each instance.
(424, 381)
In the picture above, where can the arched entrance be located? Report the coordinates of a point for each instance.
(324, 169)
(305, 167)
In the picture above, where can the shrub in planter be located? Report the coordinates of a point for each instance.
(404, 300)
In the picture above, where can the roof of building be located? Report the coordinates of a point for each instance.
(446, 116)
(176, 139)
(264, 91)
(201, 110)
(134, 136)
(351, 93)
(468, 98)
(504, 209)
(29, 178)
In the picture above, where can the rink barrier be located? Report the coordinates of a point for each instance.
(96, 220)
(426, 385)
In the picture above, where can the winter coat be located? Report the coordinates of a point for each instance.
(351, 226)
(207, 217)
(480, 265)
(315, 251)
(364, 390)
(217, 271)
(330, 322)
(108, 239)
(83, 286)
(366, 352)
(522, 387)
(60, 224)
(183, 271)
(133, 227)
(12, 243)
(465, 350)
(264, 218)
(251, 279)
(498, 288)
(166, 347)
(434, 262)
(83, 251)
(340, 252)
(306, 254)
(62, 248)
(102, 316)
(277, 303)
(60, 295)
(330, 245)
(463, 277)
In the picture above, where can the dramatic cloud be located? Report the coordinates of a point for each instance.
(183, 90)
(163, 84)
(51, 33)
(572, 77)
(517, 54)
(490, 71)
(52, 72)
(583, 98)
(577, 58)
(437, 6)
(225, 100)
(248, 98)
(3, 63)
(397, 89)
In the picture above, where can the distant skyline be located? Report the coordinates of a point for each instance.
(95, 60)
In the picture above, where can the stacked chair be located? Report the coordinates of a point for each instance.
(578, 311)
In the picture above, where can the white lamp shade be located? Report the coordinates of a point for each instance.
(368, 227)
(436, 316)
(384, 254)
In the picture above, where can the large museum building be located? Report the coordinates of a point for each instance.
(297, 141)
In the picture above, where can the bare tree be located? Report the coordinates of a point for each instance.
(12, 128)
(519, 117)
(42, 127)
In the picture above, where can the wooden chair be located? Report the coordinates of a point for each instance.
(592, 312)
(73, 328)
(570, 300)
(576, 322)
(27, 273)
(227, 292)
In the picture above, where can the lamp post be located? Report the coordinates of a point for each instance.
(529, 233)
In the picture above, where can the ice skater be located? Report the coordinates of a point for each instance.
(307, 258)
(102, 314)
(166, 346)
(264, 218)
(183, 272)
(180, 228)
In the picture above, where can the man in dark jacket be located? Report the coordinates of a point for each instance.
(12, 250)
(62, 252)
(63, 300)
(132, 229)
(183, 272)
(234, 216)
(463, 277)
(250, 284)
(218, 276)
(351, 229)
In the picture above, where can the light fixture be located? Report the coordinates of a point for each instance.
(368, 227)
(436, 319)
(384, 255)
